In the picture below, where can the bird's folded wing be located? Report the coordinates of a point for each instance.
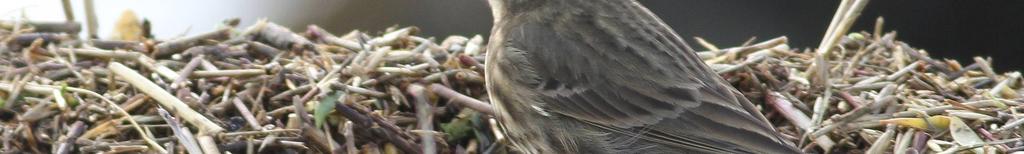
(621, 83)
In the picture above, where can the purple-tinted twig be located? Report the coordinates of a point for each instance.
(462, 100)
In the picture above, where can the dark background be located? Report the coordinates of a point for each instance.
(946, 28)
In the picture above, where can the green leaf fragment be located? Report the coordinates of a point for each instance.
(72, 103)
(325, 107)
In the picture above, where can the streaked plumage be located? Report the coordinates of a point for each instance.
(608, 76)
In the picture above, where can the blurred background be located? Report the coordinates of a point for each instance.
(946, 28)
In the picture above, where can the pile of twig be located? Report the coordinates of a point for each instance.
(262, 88)
(868, 93)
(879, 95)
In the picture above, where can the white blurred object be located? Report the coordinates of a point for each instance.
(174, 18)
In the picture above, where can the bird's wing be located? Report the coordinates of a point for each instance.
(625, 78)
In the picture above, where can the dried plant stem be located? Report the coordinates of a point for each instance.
(844, 5)
(393, 133)
(796, 117)
(181, 44)
(90, 19)
(100, 53)
(943, 108)
(903, 141)
(842, 120)
(278, 36)
(74, 132)
(841, 23)
(903, 71)
(165, 98)
(16, 89)
(262, 132)
(359, 90)
(266, 141)
(882, 143)
(67, 63)
(161, 70)
(879, 23)
(207, 143)
(184, 136)
(1003, 88)
(228, 73)
(737, 52)
(706, 44)
(69, 14)
(246, 114)
(425, 117)
(393, 37)
(184, 73)
(986, 68)
(462, 100)
(350, 138)
(1010, 125)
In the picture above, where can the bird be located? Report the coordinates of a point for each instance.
(609, 76)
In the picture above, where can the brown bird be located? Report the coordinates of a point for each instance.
(608, 76)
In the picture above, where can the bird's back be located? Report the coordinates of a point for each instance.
(608, 76)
